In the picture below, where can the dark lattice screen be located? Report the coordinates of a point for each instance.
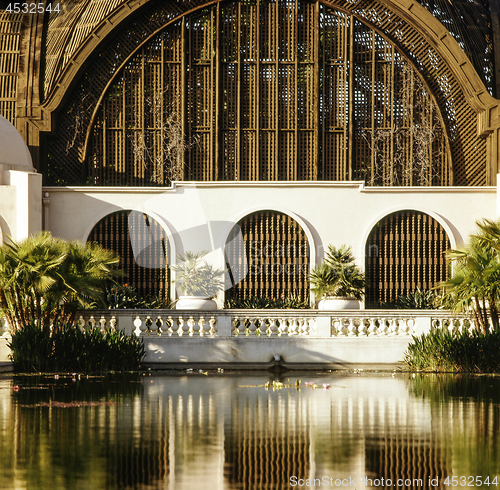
(143, 248)
(287, 90)
(469, 22)
(404, 251)
(274, 253)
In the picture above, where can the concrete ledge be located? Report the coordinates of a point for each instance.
(332, 353)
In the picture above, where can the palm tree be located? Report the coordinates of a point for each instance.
(475, 283)
(196, 277)
(48, 280)
(338, 275)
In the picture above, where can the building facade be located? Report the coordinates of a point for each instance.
(260, 131)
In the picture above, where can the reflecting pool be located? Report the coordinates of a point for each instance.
(220, 430)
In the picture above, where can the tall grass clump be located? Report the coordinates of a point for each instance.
(442, 351)
(69, 349)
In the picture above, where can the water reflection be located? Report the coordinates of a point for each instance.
(229, 432)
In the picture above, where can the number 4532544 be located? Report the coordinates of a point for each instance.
(31, 8)
(469, 481)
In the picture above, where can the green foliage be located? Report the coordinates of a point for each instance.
(126, 297)
(442, 351)
(196, 277)
(475, 284)
(338, 275)
(69, 349)
(266, 303)
(416, 300)
(48, 279)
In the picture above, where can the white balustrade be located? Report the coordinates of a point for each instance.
(273, 324)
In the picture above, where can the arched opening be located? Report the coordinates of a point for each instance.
(404, 251)
(143, 247)
(272, 259)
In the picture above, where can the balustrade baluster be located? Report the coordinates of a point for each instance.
(236, 324)
(170, 326)
(351, 327)
(372, 327)
(149, 324)
(191, 326)
(335, 327)
(138, 325)
(283, 328)
(435, 324)
(183, 328)
(81, 323)
(212, 322)
(383, 327)
(159, 325)
(362, 330)
(393, 326)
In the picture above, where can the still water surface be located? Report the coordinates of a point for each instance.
(231, 431)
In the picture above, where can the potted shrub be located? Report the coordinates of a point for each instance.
(199, 282)
(338, 280)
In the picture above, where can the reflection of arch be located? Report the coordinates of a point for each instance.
(143, 247)
(404, 251)
(274, 257)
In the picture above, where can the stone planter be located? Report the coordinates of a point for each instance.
(195, 303)
(335, 304)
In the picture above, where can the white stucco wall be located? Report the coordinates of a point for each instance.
(335, 213)
(20, 204)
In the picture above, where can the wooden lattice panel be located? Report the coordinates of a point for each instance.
(144, 258)
(246, 147)
(67, 31)
(273, 91)
(10, 28)
(470, 24)
(404, 251)
(273, 257)
(467, 149)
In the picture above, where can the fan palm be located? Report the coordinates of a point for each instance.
(475, 283)
(338, 275)
(197, 277)
(47, 279)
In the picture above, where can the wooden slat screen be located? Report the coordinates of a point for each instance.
(274, 252)
(10, 28)
(281, 90)
(148, 272)
(63, 162)
(404, 251)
